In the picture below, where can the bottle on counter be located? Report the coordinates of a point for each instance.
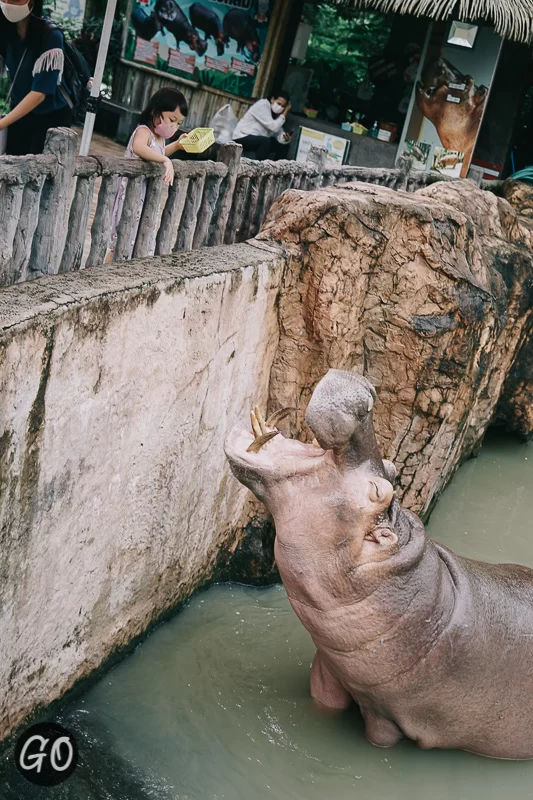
(374, 130)
(349, 115)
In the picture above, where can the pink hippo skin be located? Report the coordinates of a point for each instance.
(431, 646)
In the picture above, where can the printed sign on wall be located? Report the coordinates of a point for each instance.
(336, 146)
(218, 43)
(451, 96)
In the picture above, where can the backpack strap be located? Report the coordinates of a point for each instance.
(16, 76)
(65, 95)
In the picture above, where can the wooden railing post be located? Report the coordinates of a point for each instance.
(230, 155)
(77, 225)
(51, 233)
(405, 164)
(316, 157)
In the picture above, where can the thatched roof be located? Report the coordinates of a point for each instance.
(512, 19)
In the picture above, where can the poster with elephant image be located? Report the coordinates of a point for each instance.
(217, 43)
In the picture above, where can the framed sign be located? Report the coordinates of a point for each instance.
(420, 153)
(217, 43)
(450, 96)
(336, 146)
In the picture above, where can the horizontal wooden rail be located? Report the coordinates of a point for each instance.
(58, 211)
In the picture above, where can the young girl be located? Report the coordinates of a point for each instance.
(159, 121)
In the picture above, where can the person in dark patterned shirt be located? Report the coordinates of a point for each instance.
(33, 52)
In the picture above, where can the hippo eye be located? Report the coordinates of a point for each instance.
(431, 90)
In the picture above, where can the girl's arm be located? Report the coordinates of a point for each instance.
(170, 149)
(142, 149)
(26, 106)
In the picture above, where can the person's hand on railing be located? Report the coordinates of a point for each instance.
(169, 171)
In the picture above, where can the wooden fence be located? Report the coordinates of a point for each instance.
(134, 85)
(46, 202)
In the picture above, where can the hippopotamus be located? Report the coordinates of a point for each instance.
(170, 16)
(144, 25)
(209, 22)
(458, 122)
(431, 646)
(240, 26)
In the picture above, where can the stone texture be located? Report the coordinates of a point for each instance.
(516, 406)
(428, 294)
(118, 386)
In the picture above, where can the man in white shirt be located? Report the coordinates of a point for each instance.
(260, 131)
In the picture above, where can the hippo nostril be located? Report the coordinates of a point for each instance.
(375, 493)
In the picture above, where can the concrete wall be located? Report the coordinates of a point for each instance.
(117, 387)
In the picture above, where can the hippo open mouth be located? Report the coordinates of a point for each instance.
(263, 448)
(344, 452)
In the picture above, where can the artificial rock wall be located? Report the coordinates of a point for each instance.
(430, 296)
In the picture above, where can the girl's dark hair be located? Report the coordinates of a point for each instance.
(163, 100)
(37, 28)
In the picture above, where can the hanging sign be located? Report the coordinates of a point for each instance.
(217, 43)
(451, 97)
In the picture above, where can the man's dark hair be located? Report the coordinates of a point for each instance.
(166, 99)
(286, 96)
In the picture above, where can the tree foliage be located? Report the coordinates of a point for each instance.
(340, 47)
(87, 39)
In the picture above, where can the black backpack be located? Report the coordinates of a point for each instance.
(76, 77)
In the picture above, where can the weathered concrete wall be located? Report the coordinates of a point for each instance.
(117, 387)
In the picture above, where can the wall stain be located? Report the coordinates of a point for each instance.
(29, 477)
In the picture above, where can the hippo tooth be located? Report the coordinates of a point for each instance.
(273, 420)
(258, 443)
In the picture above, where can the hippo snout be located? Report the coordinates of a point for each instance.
(340, 403)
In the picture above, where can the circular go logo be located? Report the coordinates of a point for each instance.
(46, 754)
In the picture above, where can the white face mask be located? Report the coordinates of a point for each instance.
(15, 13)
(276, 108)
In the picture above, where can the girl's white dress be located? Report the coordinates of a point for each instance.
(121, 194)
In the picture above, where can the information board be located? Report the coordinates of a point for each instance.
(217, 43)
(336, 146)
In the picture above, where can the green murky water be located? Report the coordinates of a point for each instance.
(215, 705)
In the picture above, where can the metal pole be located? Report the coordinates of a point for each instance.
(98, 75)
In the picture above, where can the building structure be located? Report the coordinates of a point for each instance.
(449, 83)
